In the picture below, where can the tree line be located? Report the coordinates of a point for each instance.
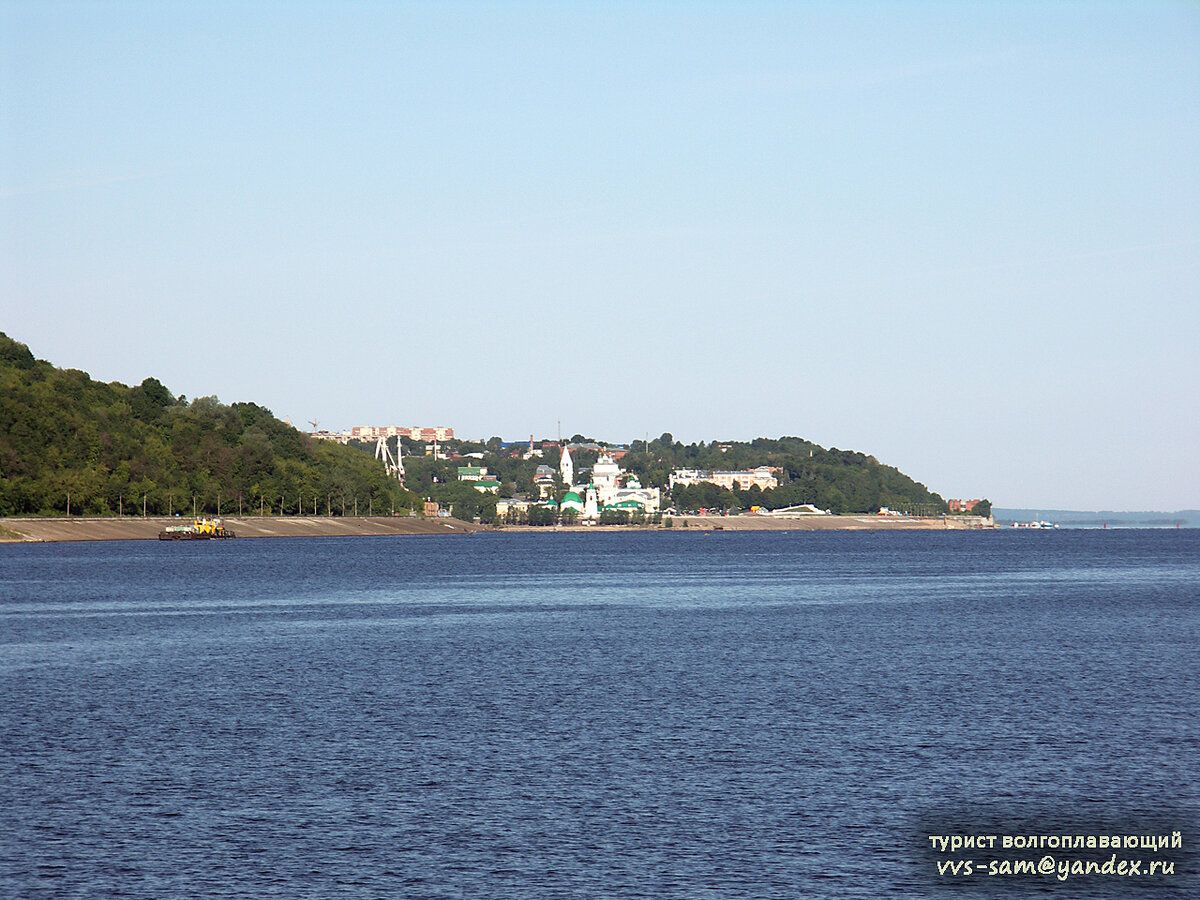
(69, 444)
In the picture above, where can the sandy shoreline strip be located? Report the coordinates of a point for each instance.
(130, 528)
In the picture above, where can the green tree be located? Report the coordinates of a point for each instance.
(110, 445)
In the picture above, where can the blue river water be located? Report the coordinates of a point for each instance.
(616, 715)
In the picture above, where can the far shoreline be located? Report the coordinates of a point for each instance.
(132, 528)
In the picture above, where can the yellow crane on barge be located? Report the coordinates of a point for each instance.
(200, 530)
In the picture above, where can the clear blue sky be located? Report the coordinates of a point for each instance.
(963, 237)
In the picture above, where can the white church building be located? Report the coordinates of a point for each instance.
(610, 488)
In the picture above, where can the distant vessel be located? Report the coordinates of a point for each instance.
(199, 530)
(1038, 524)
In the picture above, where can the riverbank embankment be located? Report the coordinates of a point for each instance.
(751, 522)
(131, 528)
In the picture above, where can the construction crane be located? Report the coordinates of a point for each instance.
(393, 465)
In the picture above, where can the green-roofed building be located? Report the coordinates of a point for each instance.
(627, 505)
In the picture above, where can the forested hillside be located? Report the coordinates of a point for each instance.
(105, 448)
(841, 481)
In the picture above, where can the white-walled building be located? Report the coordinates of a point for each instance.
(763, 476)
(566, 468)
(606, 474)
(610, 487)
(543, 480)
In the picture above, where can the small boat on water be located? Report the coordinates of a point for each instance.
(1037, 524)
(199, 530)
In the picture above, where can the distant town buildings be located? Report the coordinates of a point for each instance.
(375, 432)
(483, 482)
(965, 506)
(506, 506)
(609, 489)
(543, 480)
(763, 476)
(631, 497)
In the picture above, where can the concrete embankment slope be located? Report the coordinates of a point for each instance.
(132, 529)
(136, 528)
(783, 523)
(832, 523)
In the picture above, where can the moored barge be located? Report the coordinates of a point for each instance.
(199, 530)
